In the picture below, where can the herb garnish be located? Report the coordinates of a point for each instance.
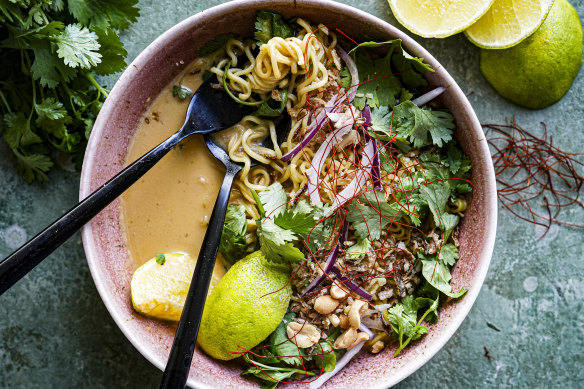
(51, 54)
(160, 259)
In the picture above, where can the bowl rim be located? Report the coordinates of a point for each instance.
(412, 46)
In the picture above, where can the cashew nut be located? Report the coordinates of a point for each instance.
(344, 319)
(346, 339)
(357, 308)
(361, 336)
(334, 319)
(325, 304)
(303, 334)
(337, 292)
(350, 339)
(377, 347)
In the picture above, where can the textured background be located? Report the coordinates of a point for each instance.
(56, 333)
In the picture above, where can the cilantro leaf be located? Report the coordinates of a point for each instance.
(402, 318)
(276, 243)
(328, 360)
(104, 13)
(233, 244)
(181, 92)
(345, 78)
(449, 221)
(271, 376)
(160, 259)
(371, 215)
(18, 131)
(422, 126)
(381, 123)
(32, 166)
(297, 222)
(218, 43)
(383, 80)
(378, 85)
(410, 69)
(274, 199)
(269, 25)
(437, 272)
(266, 110)
(112, 51)
(359, 249)
(436, 195)
(78, 47)
(49, 69)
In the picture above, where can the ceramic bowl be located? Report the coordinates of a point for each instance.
(103, 238)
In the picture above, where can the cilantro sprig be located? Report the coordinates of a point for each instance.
(51, 54)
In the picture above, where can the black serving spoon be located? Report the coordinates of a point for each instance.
(210, 110)
(183, 346)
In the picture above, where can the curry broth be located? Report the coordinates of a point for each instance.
(167, 210)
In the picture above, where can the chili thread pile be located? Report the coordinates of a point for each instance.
(536, 180)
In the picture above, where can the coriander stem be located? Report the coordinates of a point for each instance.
(5, 102)
(259, 203)
(401, 347)
(26, 57)
(99, 88)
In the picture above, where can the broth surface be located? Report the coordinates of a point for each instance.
(167, 210)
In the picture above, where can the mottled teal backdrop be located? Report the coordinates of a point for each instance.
(56, 333)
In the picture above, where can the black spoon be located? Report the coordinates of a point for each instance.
(210, 110)
(183, 346)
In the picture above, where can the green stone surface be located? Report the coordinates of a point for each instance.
(56, 333)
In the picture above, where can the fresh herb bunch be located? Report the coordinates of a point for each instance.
(51, 52)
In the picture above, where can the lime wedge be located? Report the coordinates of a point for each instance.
(508, 22)
(159, 290)
(438, 18)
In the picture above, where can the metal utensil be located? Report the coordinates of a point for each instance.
(209, 110)
(183, 347)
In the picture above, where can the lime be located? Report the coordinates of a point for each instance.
(508, 22)
(539, 71)
(159, 289)
(438, 18)
(245, 307)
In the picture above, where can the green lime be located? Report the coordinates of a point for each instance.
(244, 308)
(539, 71)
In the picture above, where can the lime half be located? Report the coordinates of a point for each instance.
(438, 18)
(508, 22)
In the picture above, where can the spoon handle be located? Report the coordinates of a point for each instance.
(23, 260)
(183, 346)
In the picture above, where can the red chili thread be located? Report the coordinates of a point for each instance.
(535, 179)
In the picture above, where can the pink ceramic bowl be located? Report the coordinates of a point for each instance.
(107, 254)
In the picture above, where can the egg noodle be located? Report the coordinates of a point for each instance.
(299, 64)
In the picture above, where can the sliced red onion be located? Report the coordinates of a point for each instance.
(427, 97)
(352, 70)
(356, 185)
(313, 172)
(334, 116)
(328, 266)
(364, 328)
(376, 168)
(351, 285)
(314, 127)
(346, 358)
